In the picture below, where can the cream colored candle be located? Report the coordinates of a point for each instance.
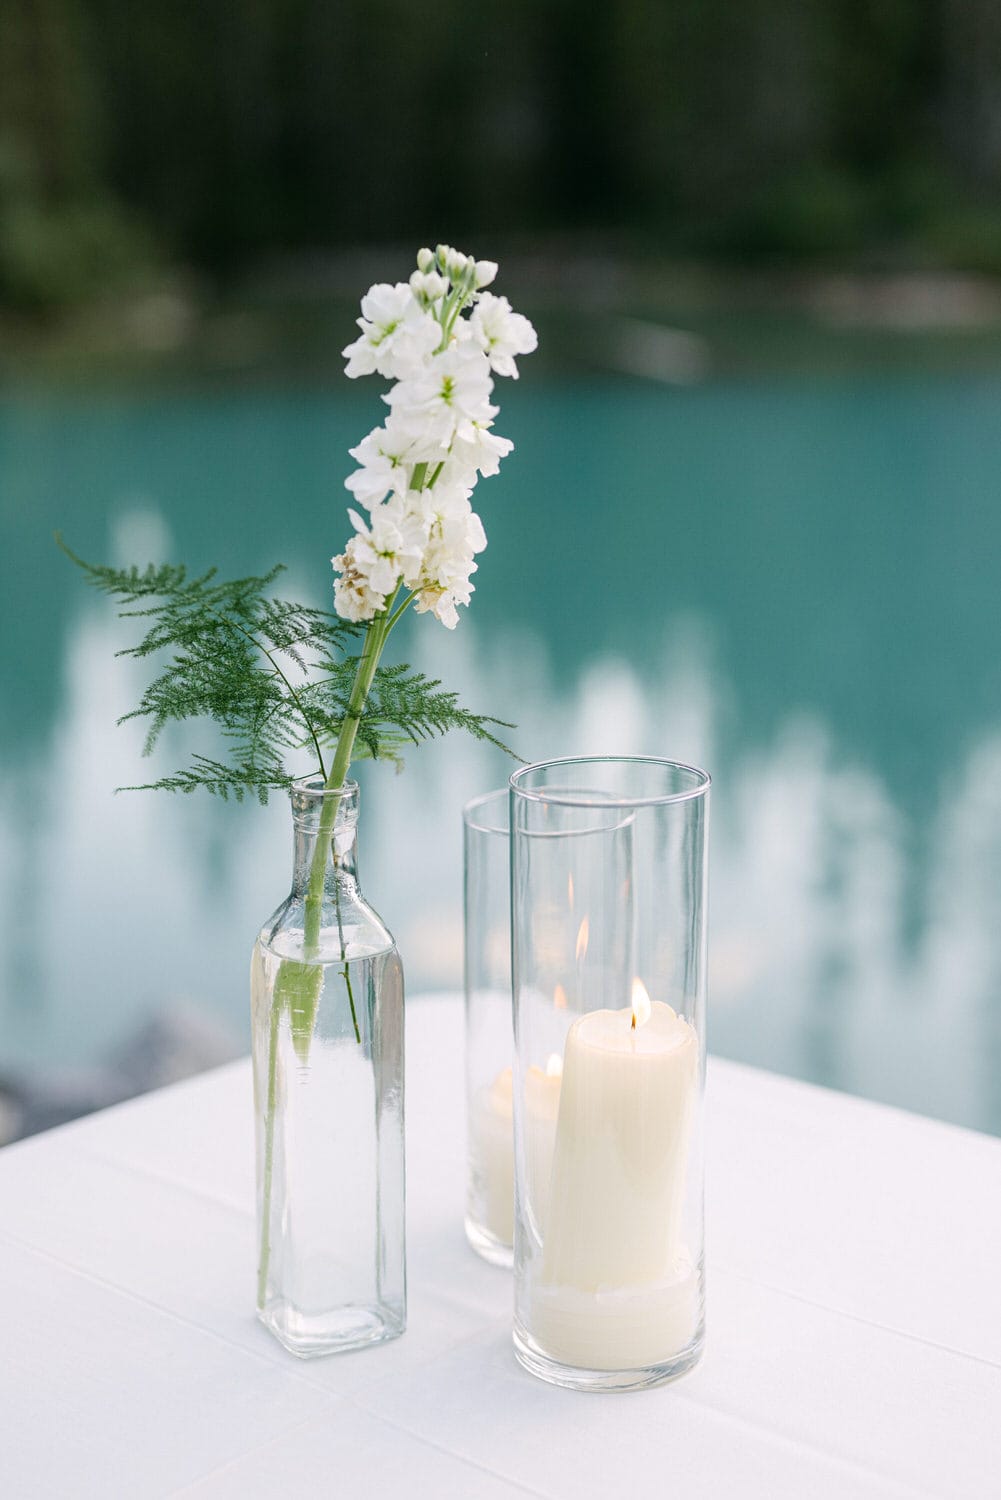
(493, 1144)
(616, 1289)
(542, 1103)
(493, 1156)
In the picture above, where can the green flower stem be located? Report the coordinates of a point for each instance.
(400, 609)
(375, 639)
(449, 312)
(346, 971)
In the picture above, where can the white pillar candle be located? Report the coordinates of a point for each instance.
(493, 1144)
(616, 1290)
(542, 1103)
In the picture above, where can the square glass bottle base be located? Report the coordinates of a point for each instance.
(310, 1337)
(532, 1358)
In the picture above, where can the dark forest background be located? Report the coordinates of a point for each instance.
(216, 135)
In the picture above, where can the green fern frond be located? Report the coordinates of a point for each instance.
(224, 781)
(418, 708)
(274, 675)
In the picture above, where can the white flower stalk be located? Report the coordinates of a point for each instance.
(441, 338)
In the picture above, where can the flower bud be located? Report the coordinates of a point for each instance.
(425, 260)
(441, 254)
(486, 270)
(457, 265)
(427, 286)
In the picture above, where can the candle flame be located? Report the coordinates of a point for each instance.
(554, 1065)
(641, 1003)
(560, 997)
(582, 936)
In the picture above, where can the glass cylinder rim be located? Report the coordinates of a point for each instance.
(702, 781)
(473, 806)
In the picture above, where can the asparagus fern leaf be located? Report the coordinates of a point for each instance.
(274, 675)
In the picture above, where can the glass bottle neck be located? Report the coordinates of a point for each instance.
(327, 819)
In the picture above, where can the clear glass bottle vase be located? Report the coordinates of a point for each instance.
(327, 1020)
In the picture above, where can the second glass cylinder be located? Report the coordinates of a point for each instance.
(608, 899)
(489, 1039)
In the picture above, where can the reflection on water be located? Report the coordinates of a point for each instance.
(856, 870)
(118, 906)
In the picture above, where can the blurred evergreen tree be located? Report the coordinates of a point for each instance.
(61, 235)
(836, 128)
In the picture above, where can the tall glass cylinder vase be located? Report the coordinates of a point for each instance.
(608, 882)
(327, 1016)
(489, 1039)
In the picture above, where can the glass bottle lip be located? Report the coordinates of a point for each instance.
(313, 789)
(309, 796)
(698, 782)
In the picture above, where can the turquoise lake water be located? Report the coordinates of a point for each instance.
(793, 583)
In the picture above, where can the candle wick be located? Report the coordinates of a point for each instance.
(634, 1021)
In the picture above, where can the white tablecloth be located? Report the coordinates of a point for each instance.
(854, 1315)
